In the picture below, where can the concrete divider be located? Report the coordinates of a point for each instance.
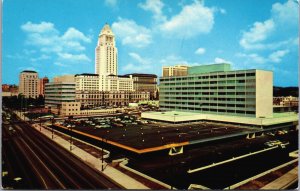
(124, 162)
(229, 160)
(197, 187)
(259, 175)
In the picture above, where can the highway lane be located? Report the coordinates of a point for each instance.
(53, 166)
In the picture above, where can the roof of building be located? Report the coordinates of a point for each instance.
(86, 74)
(141, 75)
(28, 71)
(181, 116)
(106, 30)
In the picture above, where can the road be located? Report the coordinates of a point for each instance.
(42, 164)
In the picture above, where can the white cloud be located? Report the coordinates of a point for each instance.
(277, 56)
(200, 51)
(171, 60)
(43, 27)
(136, 68)
(139, 59)
(111, 3)
(47, 39)
(74, 57)
(252, 58)
(274, 57)
(258, 33)
(131, 33)
(287, 13)
(270, 33)
(154, 6)
(42, 57)
(193, 20)
(221, 61)
(74, 34)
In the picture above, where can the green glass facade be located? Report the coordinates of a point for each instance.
(226, 93)
(204, 69)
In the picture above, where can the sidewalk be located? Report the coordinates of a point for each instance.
(118, 176)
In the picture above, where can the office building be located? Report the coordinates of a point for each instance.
(28, 83)
(61, 89)
(179, 70)
(41, 85)
(106, 53)
(216, 89)
(145, 83)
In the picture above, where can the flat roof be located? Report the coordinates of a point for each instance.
(178, 116)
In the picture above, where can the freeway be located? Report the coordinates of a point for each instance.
(46, 165)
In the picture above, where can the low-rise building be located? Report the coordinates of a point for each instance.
(70, 108)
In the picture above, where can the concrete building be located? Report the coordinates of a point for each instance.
(28, 83)
(106, 54)
(41, 85)
(179, 70)
(110, 98)
(215, 89)
(94, 82)
(145, 83)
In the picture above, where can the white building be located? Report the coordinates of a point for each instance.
(28, 83)
(106, 54)
(94, 82)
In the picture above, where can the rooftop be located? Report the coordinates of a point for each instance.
(141, 75)
(86, 74)
(175, 116)
(28, 71)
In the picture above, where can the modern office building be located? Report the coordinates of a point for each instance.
(41, 85)
(145, 83)
(58, 92)
(28, 83)
(216, 89)
(178, 70)
(106, 53)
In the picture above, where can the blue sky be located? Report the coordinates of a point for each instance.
(56, 37)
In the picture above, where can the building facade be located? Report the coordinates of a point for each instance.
(241, 93)
(28, 83)
(110, 98)
(106, 53)
(58, 92)
(179, 70)
(41, 85)
(145, 83)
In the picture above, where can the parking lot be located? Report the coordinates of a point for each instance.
(141, 134)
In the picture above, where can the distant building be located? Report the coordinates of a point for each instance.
(41, 85)
(106, 53)
(28, 83)
(179, 70)
(216, 89)
(145, 83)
(5, 87)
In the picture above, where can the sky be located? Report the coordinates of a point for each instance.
(57, 37)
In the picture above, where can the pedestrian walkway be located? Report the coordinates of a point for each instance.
(283, 181)
(118, 176)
